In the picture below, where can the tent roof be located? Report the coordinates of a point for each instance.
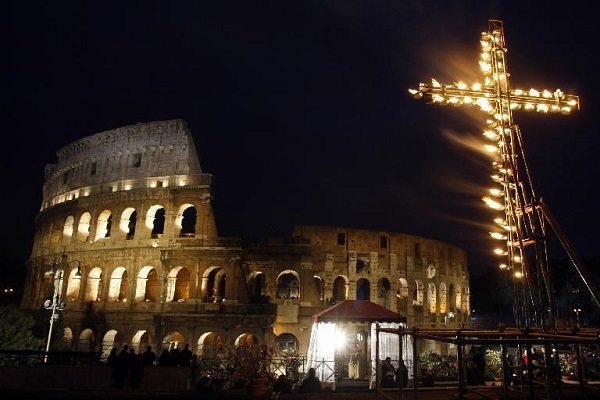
(357, 311)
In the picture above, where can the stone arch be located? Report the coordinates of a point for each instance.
(363, 289)
(83, 228)
(147, 284)
(244, 339)
(451, 298)
(108, 342)
(214, 281)
(178, 284)
(117, 290)
(67, 339)
(288, 285)
(458, 298)
(443, 298)
(94, 285)
(155, 220)
(127, 222)
(185, 220)
(103, 225)
(384, 289)
(258, 287)
(85, 343)
(73, 285)
(418, 295)
(173, 340)
(340, 289)
(319, 286)
(431, 298)
(209, 345)
(68, 228)
(286, 341)
(402, 291)
(140, 340)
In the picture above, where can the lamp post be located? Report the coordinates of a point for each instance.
(56, 305)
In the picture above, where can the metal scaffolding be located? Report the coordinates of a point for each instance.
(524, 221)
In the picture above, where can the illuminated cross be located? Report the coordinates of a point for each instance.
(522, 224)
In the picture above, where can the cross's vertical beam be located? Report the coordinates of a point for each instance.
(521, 221)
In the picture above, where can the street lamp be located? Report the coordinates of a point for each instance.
(56, 304)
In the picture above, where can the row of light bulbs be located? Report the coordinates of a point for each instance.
(495, 97)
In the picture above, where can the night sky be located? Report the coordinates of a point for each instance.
(300, 109)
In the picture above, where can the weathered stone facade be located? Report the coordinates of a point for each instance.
(130, 210)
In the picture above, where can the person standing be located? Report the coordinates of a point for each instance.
(402, 374)
(122, 368)
(387, 373)
(148, 357)
(185, 356)
(136, 369)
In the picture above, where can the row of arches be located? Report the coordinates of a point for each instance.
(179, 285)
(208, 345)
(124, 225)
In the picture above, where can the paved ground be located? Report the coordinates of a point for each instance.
(568, 392)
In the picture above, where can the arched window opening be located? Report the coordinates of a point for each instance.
(68, 229)
(209, 345)
(458, 298)
(188, 222)
(182, 285)
(288, 286)
(383, 292)
(451, 298)
(151, 293)
(431, 297)
(73, 285)
(363, 289)
(216, 281)
(103, 225)
(418, 295)
(258, 288)
(287, 342)
(158, 227)
(340, 290)
(443, 299)
(83, 229)
(127, 222)
(362, 265)
(93, 287)
(86, 341)
(245, 339)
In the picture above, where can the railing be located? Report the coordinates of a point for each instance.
(20, 358)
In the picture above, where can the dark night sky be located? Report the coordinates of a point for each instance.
(300, 109)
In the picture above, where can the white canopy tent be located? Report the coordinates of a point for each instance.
(325, 334)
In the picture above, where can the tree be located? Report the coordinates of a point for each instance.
(16, 330)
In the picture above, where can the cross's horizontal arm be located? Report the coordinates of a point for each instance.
(477, 95)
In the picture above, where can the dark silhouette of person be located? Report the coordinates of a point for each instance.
(282, 385)
(148, 357)
(185, 356)
(136, 369)
(122, 368)
(402, 374)
(474, 377)
(111, 361)
(165, 359)
(479, 359)
(387, 373)
(310, 384)
(174, 357)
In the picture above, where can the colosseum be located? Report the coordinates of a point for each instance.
(127, 236)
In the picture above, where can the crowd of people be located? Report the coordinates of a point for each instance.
(128, 365)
